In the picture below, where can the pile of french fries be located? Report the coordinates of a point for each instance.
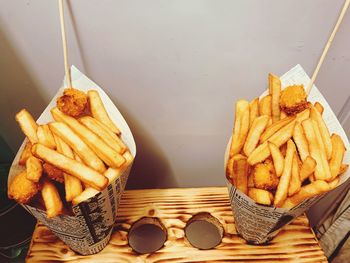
(87, 150)
(281, 160)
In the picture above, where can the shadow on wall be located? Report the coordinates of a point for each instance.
(18, 90)
(151, 168)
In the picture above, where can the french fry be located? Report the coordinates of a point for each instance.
(98, 128)
(283, 115)
(282, 188)
(317, 117)
(337, 155)
(110, 156)
(295, 183)
(253, 110)
(275, 92)
(28, 125)
(318, 106)
(51, 199)
(72, 185)
(240, 173)
(310, 190)
(322, 171)
(45, 136)
(241, 127)
(111, 173)
(280, 137)
(307, 168)
(304, 115)
(271, 130)
(88, 156)
(26, 153)
(257, 128)
(70, 166)
(260, 196)
(34, 169)
(301, 141)
(229, 170)
(277, 157)
(99, 112)
(343, 168)
(334, 183)
(250, 180)
(265, 105)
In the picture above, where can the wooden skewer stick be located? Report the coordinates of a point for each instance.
(328, 44)
(64, 43)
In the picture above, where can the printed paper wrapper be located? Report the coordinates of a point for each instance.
(89, 230)
(258, 224)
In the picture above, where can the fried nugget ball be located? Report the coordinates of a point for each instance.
(73, 102)
(264, 176)
(53, 173)
(21, 189)
(293, 99)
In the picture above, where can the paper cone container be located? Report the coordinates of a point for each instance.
(89, 229)
(257, 223)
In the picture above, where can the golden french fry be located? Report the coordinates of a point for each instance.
(45, 136)
(51, 199)
(271, 130)
(85, 195)
(250, 180)
(277, 157)
(241, 127)
(304, 115)
(253, 110)
(28, 125)
(280, 137)
(283, 185)
(326, 139)
(97, 127)
(257, 128)
(301, 141)
(337, 155)
(318, 106)
(240, 173)
(265, 105)
(334, 183)
(275, 92)
(322, 171)
(310, 190)
(283, 115)
(110, 156)
(72, 185)
(260, 196)
(111, 173)
(26, 153)
(229, 170)
(343, 168)
(307, 168)
(34, 169)
(99, 112)
(70, 166)
(295, 183)
(64, 132)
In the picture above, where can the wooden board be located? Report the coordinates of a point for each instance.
(295, 243)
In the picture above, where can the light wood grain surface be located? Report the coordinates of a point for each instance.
(295, 243)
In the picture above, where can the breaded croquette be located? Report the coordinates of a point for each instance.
(293, 99)
(21, 189)
(73, 102)
(264, 176)
(53, 173)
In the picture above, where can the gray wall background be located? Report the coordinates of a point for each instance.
(173, 68)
